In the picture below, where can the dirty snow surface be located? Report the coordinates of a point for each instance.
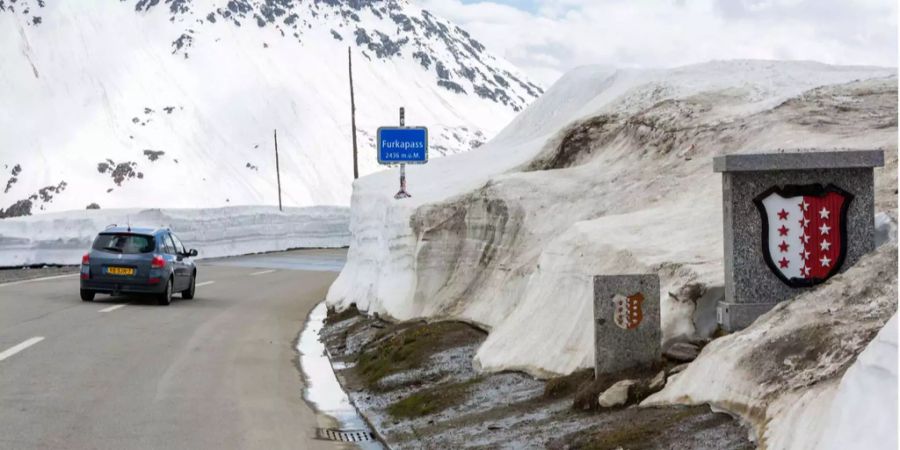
(867, 398)
(61, 238)
(783, 373)
(609, 172)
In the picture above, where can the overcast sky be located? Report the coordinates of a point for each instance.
(545, 38)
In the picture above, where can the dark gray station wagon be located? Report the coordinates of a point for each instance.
(138, 261)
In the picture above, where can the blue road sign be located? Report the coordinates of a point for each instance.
(402, 145)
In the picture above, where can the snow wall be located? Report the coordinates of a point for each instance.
(62, 238)
(610, 172)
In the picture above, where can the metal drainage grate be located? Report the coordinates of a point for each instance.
(332, 434)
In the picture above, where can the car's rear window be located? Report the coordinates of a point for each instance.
(124, 243)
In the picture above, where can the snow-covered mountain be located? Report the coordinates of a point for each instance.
(173, 103)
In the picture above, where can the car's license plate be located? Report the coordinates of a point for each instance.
(120, 270)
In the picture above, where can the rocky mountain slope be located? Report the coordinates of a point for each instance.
(148, 103)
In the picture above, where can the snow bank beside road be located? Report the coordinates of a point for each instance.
(609, 172)
(61, 238)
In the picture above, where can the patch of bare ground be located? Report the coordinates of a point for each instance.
(415, 384)
(658, 429)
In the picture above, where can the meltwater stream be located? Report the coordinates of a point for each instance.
(323, 389)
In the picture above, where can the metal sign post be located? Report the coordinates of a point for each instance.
(402, 193)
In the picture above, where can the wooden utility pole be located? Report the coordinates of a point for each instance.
(277, 170)
(352, 113)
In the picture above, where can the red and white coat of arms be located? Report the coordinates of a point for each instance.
(804, 232)
(627, 312)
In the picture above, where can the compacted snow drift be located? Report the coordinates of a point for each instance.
(610, 172)
(783, 373)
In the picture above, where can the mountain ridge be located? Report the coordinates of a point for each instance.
(196, 87)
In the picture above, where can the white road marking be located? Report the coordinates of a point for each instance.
(20, 346)
(13, 283)
(205, 283)
(113, 308)
(261, 273)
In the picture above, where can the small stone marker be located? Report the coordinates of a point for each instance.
(792, 221)
(626, 322)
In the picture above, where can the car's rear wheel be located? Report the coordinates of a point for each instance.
(165, 298)
(87, 295)
(188, 293)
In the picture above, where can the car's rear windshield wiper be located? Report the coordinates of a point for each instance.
(115, 249)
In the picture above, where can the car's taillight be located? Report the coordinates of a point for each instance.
(86, 259)
(158, 262)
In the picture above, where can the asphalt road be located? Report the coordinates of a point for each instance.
(216, 372)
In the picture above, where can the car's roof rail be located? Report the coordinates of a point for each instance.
(112, 225)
